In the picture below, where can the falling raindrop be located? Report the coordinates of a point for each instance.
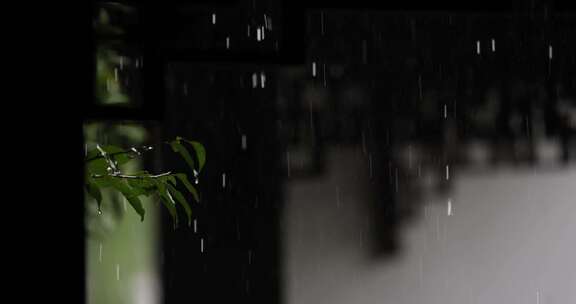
(447, 172)
(262, 79)
(313, 69)
(254, 80)
(263, 33)
(201, 245)
(213, 18)
(449, 208)
(550, 52)
(135, 151)
(248, 32)
(537, 297)
(493, 45)
(223, 180)
(100, 252)
(445, 111)
(478, 47)
(244, 143)
(118, 272)
(227, 42)
(258, 34)
(171, 198)
(195, 226)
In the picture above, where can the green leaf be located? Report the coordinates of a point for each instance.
(169, 178)
(142, 189)
(184, 179)
(180, 198)
(200, 153)
(104, 181)
(97, 166)
(142, 186)
(137, 205)
(167, 201)
(94, 191)
(130, 195)
(179, 148)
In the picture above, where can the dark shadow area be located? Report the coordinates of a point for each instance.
(232, 250)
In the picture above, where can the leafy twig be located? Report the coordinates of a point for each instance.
(131, 151)
(132, 186)
(131, 176)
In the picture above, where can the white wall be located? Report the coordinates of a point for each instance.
(511, 239)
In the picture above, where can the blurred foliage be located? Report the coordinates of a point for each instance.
(112, 18)
(108, 87)
(121, 250)
(104, 166)
(113, 68)
(125, 134)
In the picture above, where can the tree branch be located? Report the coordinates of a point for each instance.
(132, 176)
(136, 151)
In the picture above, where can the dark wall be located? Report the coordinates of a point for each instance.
(237, 220)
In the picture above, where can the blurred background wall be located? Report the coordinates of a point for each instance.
(505, 237)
